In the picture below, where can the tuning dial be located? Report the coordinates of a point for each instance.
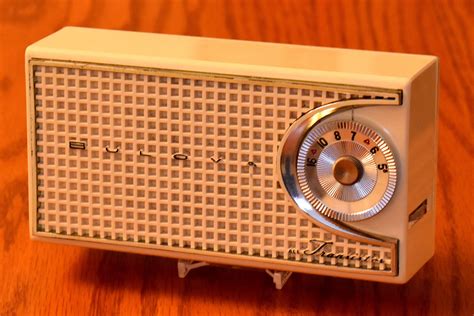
(346, 170)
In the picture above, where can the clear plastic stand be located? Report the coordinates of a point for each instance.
(184, 266)
(279, 277)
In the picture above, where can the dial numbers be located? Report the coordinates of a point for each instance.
(346, 170)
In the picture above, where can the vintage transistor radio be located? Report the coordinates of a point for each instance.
(280, 157)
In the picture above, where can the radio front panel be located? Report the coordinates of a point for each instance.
(182, 161)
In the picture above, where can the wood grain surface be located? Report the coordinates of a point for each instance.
(43, 279)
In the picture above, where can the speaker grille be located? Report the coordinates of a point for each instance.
(224, 197)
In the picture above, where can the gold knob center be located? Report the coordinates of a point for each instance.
(347, 170)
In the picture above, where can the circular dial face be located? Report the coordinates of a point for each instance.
(346, 170)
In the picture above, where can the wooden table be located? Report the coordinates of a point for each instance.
(40, 278)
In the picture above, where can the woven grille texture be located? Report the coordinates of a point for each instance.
(176, 161)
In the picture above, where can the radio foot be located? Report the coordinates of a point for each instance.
(279, 277)
(184, 266)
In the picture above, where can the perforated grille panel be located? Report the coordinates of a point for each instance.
(194, 167)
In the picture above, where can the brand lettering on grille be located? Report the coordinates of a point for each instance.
(316, 248)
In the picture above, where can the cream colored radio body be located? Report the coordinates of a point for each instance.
(280, 157)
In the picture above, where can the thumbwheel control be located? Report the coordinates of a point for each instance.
(345, 170)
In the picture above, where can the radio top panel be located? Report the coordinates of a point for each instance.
(232, 57)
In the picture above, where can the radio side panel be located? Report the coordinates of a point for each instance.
(31, 147)
(422, 172)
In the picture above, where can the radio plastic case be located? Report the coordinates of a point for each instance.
(200, 149)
